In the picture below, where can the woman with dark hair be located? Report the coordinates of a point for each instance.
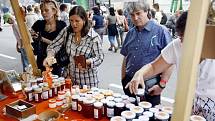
(45, 31)
(81, 42)
(112, 29)
(99, 22)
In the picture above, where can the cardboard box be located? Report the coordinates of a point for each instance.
(12, 111)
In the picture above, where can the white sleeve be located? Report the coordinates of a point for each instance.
(168, 53)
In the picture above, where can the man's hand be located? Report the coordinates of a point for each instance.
(135, 82)
(155, 90)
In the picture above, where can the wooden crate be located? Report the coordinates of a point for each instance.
(10, 110)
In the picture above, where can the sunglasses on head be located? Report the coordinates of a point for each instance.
(50, 1)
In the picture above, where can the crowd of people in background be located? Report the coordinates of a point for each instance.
(142, 35)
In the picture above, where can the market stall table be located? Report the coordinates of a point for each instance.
(40, 107)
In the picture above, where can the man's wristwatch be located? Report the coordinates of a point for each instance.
(162, 84)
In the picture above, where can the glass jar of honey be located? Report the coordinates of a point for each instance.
(88, 107)
(29, 94)
(38, 94)
(98, 106)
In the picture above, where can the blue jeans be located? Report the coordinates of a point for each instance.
(112, 39)
(24, 58)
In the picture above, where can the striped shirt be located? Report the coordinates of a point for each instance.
(90, 47)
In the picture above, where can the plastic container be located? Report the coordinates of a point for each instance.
(98, 106)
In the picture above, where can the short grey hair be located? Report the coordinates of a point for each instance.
(138, 5)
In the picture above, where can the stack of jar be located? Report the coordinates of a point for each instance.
(38, 90)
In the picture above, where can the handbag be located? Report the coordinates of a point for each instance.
(62, 56)
(38, 47)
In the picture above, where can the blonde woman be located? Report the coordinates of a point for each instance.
(46, 30)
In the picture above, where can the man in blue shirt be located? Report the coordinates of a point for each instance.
(142, 45)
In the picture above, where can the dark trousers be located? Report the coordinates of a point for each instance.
(154, 100)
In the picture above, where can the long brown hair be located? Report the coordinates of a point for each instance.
(78, 10)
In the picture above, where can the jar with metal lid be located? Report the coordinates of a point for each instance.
(38, 94)
(104, 110)
(168, 110)
(110, 108)
(117, 100)
(197, 118)
(39, 80)
(145, 118)
(117, 95)
(54, 89)
(62, 82)
(137, 110)
(33, 82)
(118, 109)
(125, 97)
(80, 104)
(58, 86)
(59, 102)
(128, 115)
(145, 105)
(88, 107)
(61, 94)
(29, 94)
(45, 93)
(129, 106)
(110, 98)
(75, 102)
(149, 114)
(52, 103)
(161, 116)
(68, 83)
(98, 106)
(140, 95)
(132, 100)
(117, 118)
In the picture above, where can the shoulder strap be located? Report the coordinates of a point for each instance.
(67, 36)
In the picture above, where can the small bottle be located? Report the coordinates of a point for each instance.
(98, 106)
(110, 109)
(29, 94)
(61, 94)
(51, 93)
(62, 82)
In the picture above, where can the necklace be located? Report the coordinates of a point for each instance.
(50, 28)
